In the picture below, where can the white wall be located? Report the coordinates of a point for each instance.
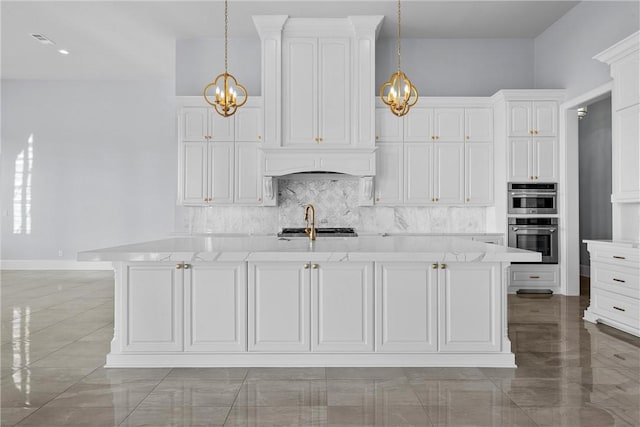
(459, 67)
(199, 61)
(438, 67)
(103, 166)
(563, 53)
(595, 175)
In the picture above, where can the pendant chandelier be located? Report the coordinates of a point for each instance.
(398, 92)
(226, 97)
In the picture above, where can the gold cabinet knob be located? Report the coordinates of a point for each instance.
(434, 266)
(443, 266)
(314, 266)
(468, 199)
(437, 200)
(437, 137)
(259, 137)
(535, 132)
(467, 137)
(377, 199)
(377, 136)
(187, 266)
(530, 132)
(178, 266)
(321, 139)
(306, 266)
(259, 199)
(433, 137)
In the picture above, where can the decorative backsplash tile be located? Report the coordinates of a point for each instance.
(336, 202)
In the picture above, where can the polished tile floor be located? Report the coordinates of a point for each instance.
(56, 328)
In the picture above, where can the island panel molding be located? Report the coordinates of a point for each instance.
(182, 301)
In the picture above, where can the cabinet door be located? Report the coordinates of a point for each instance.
(334, 92)
(625, 72)
(300, 94)
(418, 125)
(152, 305)
(407, 307)
(389, 127)
(626, 154)
(478, 124)
(545, 159)
(520, 159)
(279, 307)
(388, 180)
(221, 128)
(470, 317)
(342, 307)
(221, 172)
(448, 172)
(520, 123)
(448, 124)
(418, 158)
(478, 175)
(194, 124)
(193, 173)
(248, 121)
(248, 182)
(215, 307)
(545, 118)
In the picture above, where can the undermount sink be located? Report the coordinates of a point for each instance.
(321, 232)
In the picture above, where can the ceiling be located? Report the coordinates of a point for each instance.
(136, 39)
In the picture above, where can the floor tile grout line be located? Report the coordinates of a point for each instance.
(235, 398)
(143, 399)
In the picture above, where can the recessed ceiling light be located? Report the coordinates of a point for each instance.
(64, 52)
(42, 38)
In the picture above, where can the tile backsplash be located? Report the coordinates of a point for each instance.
(336, 202)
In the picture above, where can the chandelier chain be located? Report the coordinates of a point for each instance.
(398, 35)
(226, 29)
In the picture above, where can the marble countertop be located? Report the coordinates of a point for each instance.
(271, 248)
(617, 243)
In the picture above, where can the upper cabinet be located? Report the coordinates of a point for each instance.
(533, 118)
(201, 123)
(478, 124)
(317, 96)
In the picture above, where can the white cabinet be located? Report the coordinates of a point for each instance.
(469, 317)
(626, 155)
(418, 181)
(407, 307)
(334, 301)
(534, 276)
(248, 176)
(615, 286)
(389, 177)
(539, 118)
(199, 124)
(448, 172)
(316, 91)
(448, 124)
(478, 124)
(279, 307)
(418, 125)
(389, 127)
(248, 122)
(478, 179)
(206, 173)
(215, 298)
(342, 307)
(151, 307)
(533, 159)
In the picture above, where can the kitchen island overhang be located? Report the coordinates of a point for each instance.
(211, 301)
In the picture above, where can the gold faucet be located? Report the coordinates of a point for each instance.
(310, 230)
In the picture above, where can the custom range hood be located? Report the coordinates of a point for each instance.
(318, 89)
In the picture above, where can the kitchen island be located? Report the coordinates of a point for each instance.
(264, 301)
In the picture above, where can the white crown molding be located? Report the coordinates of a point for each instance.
(619, 50)
(52, 264)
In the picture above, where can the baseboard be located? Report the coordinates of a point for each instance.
(52, 264)
(585, 270)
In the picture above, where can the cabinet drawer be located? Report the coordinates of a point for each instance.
(624, 257)
(621, 280)
(533, 277)
(617, 307)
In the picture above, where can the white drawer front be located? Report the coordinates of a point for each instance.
(621, 280)
(534, 277)
(624, 257)
(617, 307)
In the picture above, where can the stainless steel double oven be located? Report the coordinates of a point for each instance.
(527, 229)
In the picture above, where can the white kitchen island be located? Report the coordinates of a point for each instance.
(263, 301)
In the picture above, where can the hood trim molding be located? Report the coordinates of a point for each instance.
(360, 162)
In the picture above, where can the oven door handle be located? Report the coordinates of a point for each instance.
(533, 194)
(550, 230)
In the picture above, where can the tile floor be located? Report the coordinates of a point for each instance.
(56, 328)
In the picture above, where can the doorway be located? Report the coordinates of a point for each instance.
(594, 146)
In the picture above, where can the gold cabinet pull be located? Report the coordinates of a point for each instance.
(433, 137)
(619, 309)
(259, 199)
(321, 139)
(259, 137)
(619, 257)
(619, 280)
(468, 199)
(434, 266)
(187, 266)
(178, 266)
(443, 266)
(534, 277)
(314, 266)
(377, 199)
(467, 137)
(306, 266)
(530, 132)
(377, 137)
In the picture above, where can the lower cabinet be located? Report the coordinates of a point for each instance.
(296, 307)
(151, 307)
(428, 307)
